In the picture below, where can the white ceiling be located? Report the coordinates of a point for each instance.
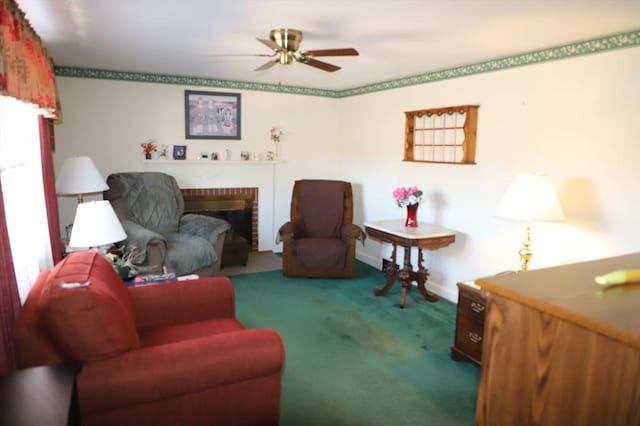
(395, 38)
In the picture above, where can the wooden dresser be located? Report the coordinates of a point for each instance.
(559, 349)
(469, 323)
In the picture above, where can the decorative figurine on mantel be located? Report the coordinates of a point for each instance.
(163, 152)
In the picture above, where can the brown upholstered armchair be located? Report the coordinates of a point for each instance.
(164, 354)
(320, 239)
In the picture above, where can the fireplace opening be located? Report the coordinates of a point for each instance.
(238, 206)
(232, 208)
(240, 221)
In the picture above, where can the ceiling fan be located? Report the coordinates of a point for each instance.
(285, 44)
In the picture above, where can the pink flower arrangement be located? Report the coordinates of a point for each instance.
(407, 196)
(276, 133)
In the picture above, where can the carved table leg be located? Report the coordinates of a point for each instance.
(406, 276)
(422, 276)
(391, 273)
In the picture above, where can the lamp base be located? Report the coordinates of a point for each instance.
(525, 252)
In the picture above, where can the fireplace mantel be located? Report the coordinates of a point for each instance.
(200, 174)
(214, 162)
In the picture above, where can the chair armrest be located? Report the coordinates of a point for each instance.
(179, 302)
(178, 369)
(352, 232)
(152, 245)
(203, 226)
(286, 232)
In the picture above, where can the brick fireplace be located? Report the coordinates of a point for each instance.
(209, 200)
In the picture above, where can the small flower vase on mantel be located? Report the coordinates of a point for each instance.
(147, 156)
(275, 135)
(412, 216)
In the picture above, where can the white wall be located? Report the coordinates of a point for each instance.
(574, 119)
(107, 120)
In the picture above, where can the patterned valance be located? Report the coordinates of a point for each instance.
(26, 71)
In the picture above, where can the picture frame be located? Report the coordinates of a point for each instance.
(179, 152)
(212, 115)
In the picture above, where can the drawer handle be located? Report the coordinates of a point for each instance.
(475, 337)
(477, 307)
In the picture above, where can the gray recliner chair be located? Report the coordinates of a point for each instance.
(151, 209)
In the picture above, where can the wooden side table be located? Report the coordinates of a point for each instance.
(425, 236)
(43, 396)
(469, 323)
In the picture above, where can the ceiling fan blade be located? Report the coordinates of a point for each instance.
(270, 44)
(217, 55)
(267, 65)
(332, 52)
(319, 64)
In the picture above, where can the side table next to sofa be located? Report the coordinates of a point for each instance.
(43, 396)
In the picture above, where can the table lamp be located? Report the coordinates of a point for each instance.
(95, 225)
(79, 176)
(530, 198)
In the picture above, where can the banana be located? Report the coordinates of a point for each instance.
(619, 277)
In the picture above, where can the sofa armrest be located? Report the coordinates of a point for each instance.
(179, 302)
(178, 369)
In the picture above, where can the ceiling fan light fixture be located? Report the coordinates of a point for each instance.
(285, 44)
(286, 58)
(287, 39)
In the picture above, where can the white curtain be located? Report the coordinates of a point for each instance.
(23, 192)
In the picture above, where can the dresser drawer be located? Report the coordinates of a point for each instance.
(471, 305)
(469, 324)
(469, 335)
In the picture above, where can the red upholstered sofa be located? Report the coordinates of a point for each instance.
(166, 354)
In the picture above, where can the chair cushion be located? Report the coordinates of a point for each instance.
(163, 335)
(186, 253)
(321, 205)
(326, 253)
(151, 199)
(89, 322)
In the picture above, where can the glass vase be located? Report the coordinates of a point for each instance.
(412, 216)
(278, 152)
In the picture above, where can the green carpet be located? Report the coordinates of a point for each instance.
(356, 359)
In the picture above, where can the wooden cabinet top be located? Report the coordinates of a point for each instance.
(570, 292)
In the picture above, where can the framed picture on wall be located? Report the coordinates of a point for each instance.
(211, 115)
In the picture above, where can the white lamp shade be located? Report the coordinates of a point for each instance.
(96, 224)
(531, 198)
(79, 175)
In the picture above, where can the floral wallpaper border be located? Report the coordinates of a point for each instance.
(602, 44)
(190, 81)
